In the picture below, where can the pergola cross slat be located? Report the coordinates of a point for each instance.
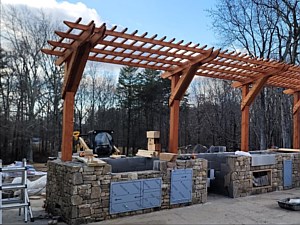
(178, 61)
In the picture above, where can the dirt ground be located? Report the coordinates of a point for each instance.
(255, 209)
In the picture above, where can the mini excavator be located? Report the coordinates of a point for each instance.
(96, 143)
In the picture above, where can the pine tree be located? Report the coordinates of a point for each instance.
(126, 94)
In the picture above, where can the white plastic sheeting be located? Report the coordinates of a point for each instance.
(242, 153)
(34, 187)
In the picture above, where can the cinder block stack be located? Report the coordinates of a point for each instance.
(153, 141)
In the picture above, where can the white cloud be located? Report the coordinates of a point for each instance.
(64, 10)
(61, 10)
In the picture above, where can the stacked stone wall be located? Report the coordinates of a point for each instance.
(81, 194)
(238, 174)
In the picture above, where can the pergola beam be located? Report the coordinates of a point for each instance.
(296, 105)
(291, 91)
(84, 36)
(197, 61)
(258, 85)
(296, 120)
(75, 69)
(188, 72)
(180, 61)
(79, 57)
(249, 98)
(270, 73)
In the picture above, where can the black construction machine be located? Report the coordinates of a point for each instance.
(99, 141)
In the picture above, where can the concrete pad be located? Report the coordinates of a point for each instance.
(255, 209)
(12, 217)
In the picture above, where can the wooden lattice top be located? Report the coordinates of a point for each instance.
(131, 49)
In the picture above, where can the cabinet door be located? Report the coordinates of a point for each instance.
(151, 199)
(125, 207)
(287, 173)
(150, 185)
(125, 188)
(128, 196)
(151, 193)
(181, 186)
(125, 196)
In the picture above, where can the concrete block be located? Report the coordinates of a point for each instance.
(154, 147)
(261, 160)
(153, 134)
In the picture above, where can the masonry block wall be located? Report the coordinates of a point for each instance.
(239, 176)
(237, 173)
(81, 194)
(234, 174)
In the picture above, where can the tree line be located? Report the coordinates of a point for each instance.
(137, 99)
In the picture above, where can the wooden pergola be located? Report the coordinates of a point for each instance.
(179, 61)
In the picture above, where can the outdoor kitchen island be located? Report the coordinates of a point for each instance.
(263, 171)
(83, 194)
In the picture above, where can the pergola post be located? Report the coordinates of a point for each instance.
(181, 78)
(296, 120)
(75, 57)
(245, 121)
(174, 118)
(67, 132)
(248, 97)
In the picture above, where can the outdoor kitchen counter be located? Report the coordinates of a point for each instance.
(82, 194)
(263, 171)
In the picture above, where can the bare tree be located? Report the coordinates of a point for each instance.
(25, 33)
(264, 29)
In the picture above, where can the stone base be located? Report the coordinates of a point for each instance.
(81, 194)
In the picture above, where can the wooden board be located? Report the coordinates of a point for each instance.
(117, 156)
(170, 157)
(146, 153)
(285, 150)
(95, 162)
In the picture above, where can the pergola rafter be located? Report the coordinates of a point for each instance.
(179, 61)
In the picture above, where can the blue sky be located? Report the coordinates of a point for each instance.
(180, 19)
